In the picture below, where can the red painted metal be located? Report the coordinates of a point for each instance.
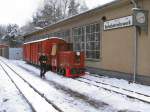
(72, 61)
(27, 51)
(34, 52)
(60, 58)
(3, 45)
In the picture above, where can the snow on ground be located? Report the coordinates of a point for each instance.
(10, 98)
(118, 90)
(62, 100)
(117, 101)
(30, 94)
(122, 84)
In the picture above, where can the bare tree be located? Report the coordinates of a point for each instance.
(73, 8)
(12, 30)
(29, 27)
(8, 34)
(83, 7)
(2, 30)
(65, 7)
(55, 10)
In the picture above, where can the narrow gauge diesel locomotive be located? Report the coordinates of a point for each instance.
(61, 58)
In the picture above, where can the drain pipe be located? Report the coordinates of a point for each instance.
(135, 55)
(134, 2)
(135, 60)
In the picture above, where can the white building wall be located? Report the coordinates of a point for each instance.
(15, 53)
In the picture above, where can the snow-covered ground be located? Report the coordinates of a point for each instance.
(29, 93)
(121, 83)
(113, 102)
(10, 98)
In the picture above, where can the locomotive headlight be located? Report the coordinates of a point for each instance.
(78, 53)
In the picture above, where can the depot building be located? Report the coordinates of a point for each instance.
(115, 38)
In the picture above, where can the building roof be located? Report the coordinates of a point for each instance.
(3, 45)
(99, 8)
(43, 40)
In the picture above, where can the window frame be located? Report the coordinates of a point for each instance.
(86, 41)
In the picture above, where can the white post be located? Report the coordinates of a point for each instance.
(135, 63)
(135, 54)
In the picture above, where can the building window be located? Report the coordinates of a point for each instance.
(87, 38)
(93, 41)
(79, 39)
(61, 34)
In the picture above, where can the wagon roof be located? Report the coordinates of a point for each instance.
(36, 41)
(44, 39)
(3, 45)
(56, 38)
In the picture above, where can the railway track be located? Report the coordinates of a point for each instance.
(46, 106)
(97, 84)
(95, 104)
(112, 88)
(115, 86)
(72, 93)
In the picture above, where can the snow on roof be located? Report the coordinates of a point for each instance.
(43, 40)
(3, 45)
(3, 37)
(56, 38)
(36, 41)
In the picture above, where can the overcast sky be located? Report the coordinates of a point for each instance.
(21, 11)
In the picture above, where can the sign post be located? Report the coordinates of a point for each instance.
(140, 22)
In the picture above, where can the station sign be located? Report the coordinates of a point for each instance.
(118, 23)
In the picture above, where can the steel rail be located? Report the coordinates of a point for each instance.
(55, 106)
(116, 86)
(81, 79)
(33, 109)
(113, 87)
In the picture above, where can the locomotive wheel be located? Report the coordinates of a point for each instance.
(58, 71)
(73, 71)
(62, 71)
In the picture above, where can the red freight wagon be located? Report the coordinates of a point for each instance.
(57, 45)
(39, 51)
(34, 53)
(61, 58)
(47, 49)
(24, 52)
(31, 52)
(28, 52)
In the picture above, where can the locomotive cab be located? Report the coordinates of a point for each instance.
(67, 62)
(56, 48)
(71, 63)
